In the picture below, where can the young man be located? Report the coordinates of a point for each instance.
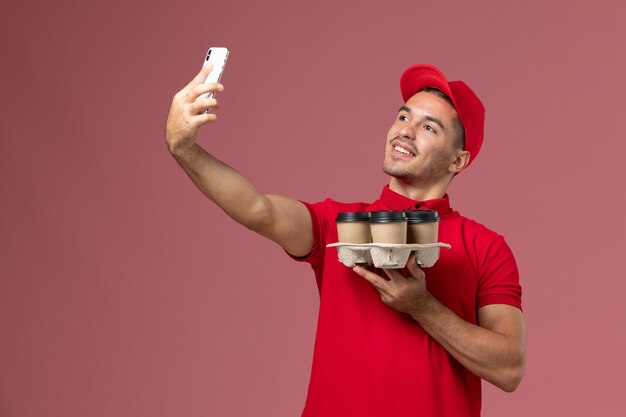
(413, 344)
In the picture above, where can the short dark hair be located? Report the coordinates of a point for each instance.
(460, 137)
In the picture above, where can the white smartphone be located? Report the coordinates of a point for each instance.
(217, 57)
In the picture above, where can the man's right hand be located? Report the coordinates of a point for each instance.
(188, 113)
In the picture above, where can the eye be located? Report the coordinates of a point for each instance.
(430, 128)
(403, 118)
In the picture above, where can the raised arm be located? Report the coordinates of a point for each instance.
(281, 219)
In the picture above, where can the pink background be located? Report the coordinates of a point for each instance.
(125, 292)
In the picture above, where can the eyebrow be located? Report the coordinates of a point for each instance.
(427, 117)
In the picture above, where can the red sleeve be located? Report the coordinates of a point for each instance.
(321, 217)
(499, 276)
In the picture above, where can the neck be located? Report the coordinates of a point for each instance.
(417, 192)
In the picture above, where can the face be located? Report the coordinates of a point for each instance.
(420, 143)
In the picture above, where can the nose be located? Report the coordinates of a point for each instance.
(406, 132)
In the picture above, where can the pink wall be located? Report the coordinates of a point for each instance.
(124, 292)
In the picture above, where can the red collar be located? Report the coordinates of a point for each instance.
(394, 201)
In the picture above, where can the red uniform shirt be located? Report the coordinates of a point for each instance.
(370, 360)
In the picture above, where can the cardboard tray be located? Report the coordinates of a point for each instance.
(387, 255)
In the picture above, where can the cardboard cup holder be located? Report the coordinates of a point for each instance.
(387, 255)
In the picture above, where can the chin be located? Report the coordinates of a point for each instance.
(397, 172)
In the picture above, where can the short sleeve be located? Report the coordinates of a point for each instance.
(499, 276)
(321, 214)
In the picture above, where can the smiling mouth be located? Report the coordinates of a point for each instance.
(403, 151)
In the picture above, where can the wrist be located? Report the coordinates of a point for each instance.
(183, 152)
(425, 307)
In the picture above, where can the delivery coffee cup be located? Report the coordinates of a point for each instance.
(388, 226)
(354, 227)
(422, 226)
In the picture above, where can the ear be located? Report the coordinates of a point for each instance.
(460, 162)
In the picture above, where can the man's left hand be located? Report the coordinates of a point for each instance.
(494, 349)
(404, 294)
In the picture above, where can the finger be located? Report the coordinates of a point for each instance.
(203, 104)
(199, 89)
(377, 281)
(198, 79)
(204, 118)
(415, 270)
(393, 274)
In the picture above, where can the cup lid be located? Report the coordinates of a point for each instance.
(354, 216)
(387, 216)
(422, 216)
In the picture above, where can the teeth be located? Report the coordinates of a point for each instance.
(404, 151)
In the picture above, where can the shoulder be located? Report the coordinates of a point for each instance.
(330, 207)
(482, 244)
(472, 229)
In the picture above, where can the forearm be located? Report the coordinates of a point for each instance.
(495, 357)
(223, 185)
(281, 219)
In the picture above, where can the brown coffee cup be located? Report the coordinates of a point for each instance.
(354, 227)
(388, 226)
(422, 226)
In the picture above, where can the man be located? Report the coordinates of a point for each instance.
(414, 343)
